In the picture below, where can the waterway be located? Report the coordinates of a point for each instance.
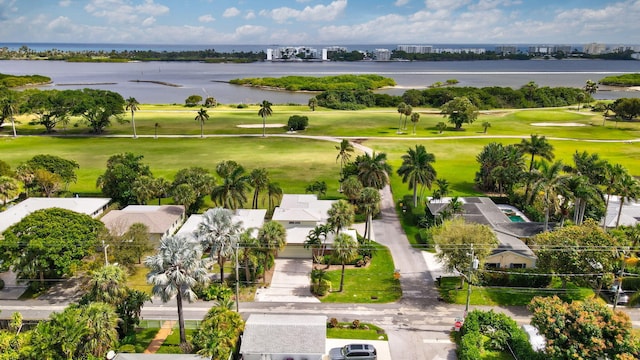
(143, 80)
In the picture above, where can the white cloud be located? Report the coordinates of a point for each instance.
(316, 13)
(206, 18)
(119, 11)
(492, 4)
(149, 21)
(401, 2)
(231, 12)
(64, 3)
(250, 30)
(445, 4)
(250, 15)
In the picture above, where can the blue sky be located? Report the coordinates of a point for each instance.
(293, 22)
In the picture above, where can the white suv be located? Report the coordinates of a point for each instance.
(354, 351)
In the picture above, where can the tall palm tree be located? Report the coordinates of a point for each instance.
(345, 248)
(408, 110)
(272, 237)
(132, 105)
(369, 202)
(401, 108)
(341, 215)
(101, 322)
(313, 102)
(536, 145)
(613, 174)
(201, 118)
(265, 110)
(219, 234)
(274, 193)
(373, 170)
(143, 189)
(249, 245)
(551, 181)
(231, 193)
(591, 87)
(417, 169)
(9, 110)
(174, 271)
(161, 188)
(345, 149)
(628, 189)
(259, 180)
(351, 188)
(415, 117)
(317, 237)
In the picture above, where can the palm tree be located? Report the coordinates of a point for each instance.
(313, 102)
(184, 195)
(231, 193)
(345, 249)
(272, 237)
(317, 237)
(174, 271)
(580, 97)
(401, 108)
(486, 125)
(161, 188)
(373, 170)
(201, 118)
(552, 183)
(265, 110)
(219, 234)
(249, 246)
(408, 110)
(9, 109)
(628, 189)
(536, 145)
(274, 193)
(345, 149)
(108, 284)
(417, 169)
(607, 111)
(591, 87)
(155, 130)
(132, 105)
(415, 117)
(259, 180)
(143, 189)
(341, 215)
(351, 188)
(613, 175)
(441, 126)
(369, 202)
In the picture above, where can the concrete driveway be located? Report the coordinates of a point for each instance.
(290, 283)
(382, 347)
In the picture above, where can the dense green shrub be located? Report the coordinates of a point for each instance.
(324, 83)
(514, 278)
(10, 81)
(297, 122)
(621, 80)
(493, 331)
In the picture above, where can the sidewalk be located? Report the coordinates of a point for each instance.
(161, 336)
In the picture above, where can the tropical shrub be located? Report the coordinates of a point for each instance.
(297, 122)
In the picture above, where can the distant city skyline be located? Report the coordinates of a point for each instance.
(327, 22)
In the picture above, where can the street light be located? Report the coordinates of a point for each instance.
(473, 265)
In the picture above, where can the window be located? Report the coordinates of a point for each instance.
(518, 266)
(491, 265)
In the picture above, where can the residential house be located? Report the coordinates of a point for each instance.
(630, 215)
(161, 220)
(132, 356)
(299, 214)
(250, 218)
(511, 252)
(284, 337)
(89, 206)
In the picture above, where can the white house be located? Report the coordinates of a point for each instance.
(89, 206)
(630, 215)
(284, 337)
(161, 220)
(299, 214)
(250, 218)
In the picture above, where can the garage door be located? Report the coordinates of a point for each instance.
(295, 252)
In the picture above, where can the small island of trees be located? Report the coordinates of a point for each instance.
(324, 83)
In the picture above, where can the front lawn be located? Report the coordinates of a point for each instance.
(346, 330)
(451, 292)
(372, 284)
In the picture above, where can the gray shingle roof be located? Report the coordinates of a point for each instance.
(282, 334)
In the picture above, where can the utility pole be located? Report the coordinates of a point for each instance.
(473, 265)
(106, 259)
(237, 280)
(619, 286)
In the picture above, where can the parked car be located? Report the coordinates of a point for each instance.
(354, 351)
(623, 297)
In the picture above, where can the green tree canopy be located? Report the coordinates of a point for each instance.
(64, 168)
(460, 111)
(118, 180)
(49, 244)
(99, 107)
(218, 334)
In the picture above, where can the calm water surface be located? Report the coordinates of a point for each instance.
(209, 79)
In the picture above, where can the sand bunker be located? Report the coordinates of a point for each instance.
(254, 126)
(558, 124)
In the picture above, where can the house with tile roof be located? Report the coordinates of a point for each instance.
(161, 220)
(251, 219)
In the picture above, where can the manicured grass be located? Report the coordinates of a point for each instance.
(293, 163)
(346, 331)
(503, 296)
(138, 279)
(143, 338)
(172, 344)
(373, 284)
(379, 122)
